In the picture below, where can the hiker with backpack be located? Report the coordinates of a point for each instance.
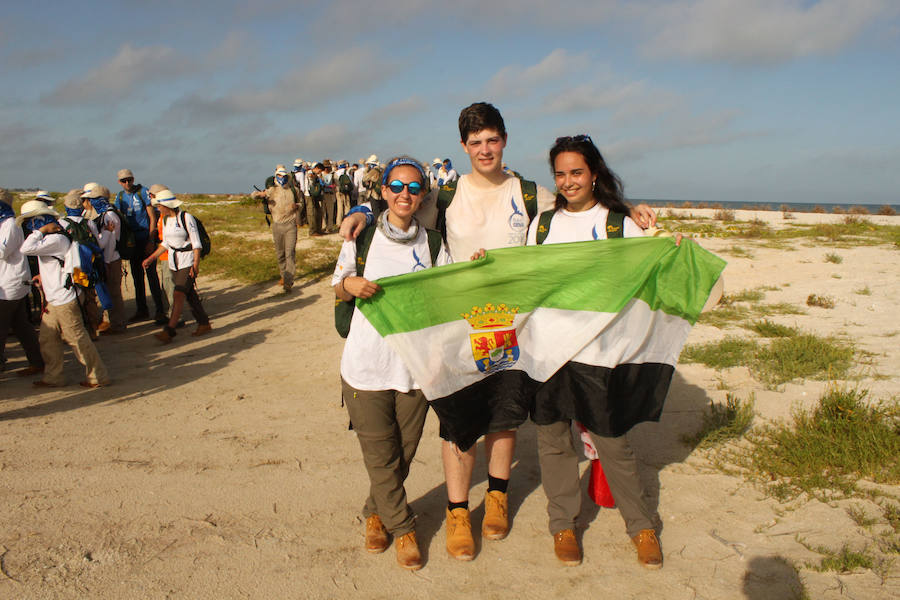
(282, 198)
(85, 232)
(15, 285)
(162, 262)
(62, 320)
(183, 238)
(486, 208)
(133, 202)
(386, 407)
(343, 190)
(110, 227)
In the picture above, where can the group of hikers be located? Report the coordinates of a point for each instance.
(486, 209)
(69, 267)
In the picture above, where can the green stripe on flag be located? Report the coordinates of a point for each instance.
(599, 276)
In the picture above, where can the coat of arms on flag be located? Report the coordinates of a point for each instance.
(494, 344)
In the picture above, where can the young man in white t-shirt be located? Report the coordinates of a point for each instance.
(488, 211)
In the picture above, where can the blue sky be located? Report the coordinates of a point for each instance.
(737, 100)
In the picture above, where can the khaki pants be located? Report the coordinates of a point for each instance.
(343, 206)
(63, 323)
(314, 214)
(166, 281)
(285, 237)
(114, 285)
(388, 425)
(329, 205)
(559, 476)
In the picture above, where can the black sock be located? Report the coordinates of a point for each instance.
(452, 505)
(495, 484)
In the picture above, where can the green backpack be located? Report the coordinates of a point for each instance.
(343, 310)
(448, 191)
(614, 225)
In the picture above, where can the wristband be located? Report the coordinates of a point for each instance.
(370, 218)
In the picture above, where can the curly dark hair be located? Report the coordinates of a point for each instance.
(608, 189)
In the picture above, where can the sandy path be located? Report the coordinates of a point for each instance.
(222, 467)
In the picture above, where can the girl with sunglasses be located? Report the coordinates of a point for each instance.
(590, 198)
(387, 409)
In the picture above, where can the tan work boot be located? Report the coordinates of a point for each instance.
(648, 552)
(460, 544)
(408, 555)
(496, 523)
(376, 535)
(565, 545)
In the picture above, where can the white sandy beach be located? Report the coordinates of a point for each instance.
(222, 467)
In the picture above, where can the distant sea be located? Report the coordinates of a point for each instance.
(792, 206)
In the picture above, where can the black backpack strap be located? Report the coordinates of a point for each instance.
(615, 225)
(435, 239)
(529, 196)
(544, 225)
(362, 248)
(444, 198)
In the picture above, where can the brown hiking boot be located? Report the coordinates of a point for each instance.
(164, 336)
(202, 330)
(460, 544)
(408, 555)
(496, 523)
(103, 326)
(565, 545)
(648, 552)
(376, 535)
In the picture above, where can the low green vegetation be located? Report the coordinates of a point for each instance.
(820, 301)
(723, 422)
(769, 329)
(865, 291)
(844, 560)
(834, 258)
(729, 352)
(729, 312)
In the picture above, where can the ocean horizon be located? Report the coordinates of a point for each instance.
(828, 207)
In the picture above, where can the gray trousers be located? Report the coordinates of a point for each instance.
(285, 236)
(14, 318)
(329, 205)
(560, 478)
(388, 425)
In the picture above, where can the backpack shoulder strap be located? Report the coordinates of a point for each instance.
(544, 225)
(615, 225)
(362, 248)
(445, 196)
(435, 239)
(529, 195)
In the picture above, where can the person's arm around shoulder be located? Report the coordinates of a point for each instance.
(546, 200)
(643, 215)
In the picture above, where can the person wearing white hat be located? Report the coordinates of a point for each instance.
(96, 197)
(45, 197)
(62, 321)
(298, 171)
(162, 262)
(342, 189)
(72, 223)
(15, 283)
(181, 238)
(283, 199)
(433, 172)
(371, 181)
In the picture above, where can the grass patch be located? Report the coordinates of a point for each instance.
(844, 560)
(769, 329)
(730, 313)
(779, 308)
(723, 422)
(863, 291)
(820, 301)
(860, 516)
(254, 261)
(800, 356)
(830, 447)
(743, 296)
(726, 353)
(834, 258)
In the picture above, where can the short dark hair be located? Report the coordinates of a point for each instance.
(478, 117)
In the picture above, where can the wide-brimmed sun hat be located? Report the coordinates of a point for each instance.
(167, 198)
(95, 190)
(34, 208)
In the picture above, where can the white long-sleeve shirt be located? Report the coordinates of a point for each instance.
(180, 241)
(14, 272)
(109, 238)
(51, 253)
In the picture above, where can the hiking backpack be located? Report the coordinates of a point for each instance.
(343, 309)
(205, 242)
(614, 225)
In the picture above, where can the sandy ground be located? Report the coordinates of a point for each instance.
(222, 467)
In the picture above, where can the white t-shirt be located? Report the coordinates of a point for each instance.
(175, 237)
(51, 253)
(14, 272)
(489, 218)
(580, 226)
(108, 238)
(358, 179)
(368, 362)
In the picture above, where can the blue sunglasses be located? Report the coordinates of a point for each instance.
(414, 187)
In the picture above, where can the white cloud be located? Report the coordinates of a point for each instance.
(516, 80)
(757, 31)
(120, 76)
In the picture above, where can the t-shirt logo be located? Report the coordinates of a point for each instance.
(418, 266)
(517, 220)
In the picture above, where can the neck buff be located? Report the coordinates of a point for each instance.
(100, 205)
(6, 211)
(35, 223)
(395, 234)
(280, 180)
(74, 212)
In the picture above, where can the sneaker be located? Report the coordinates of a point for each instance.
(460, 544)
(496, 523)
(566, 548)
(139, 316)
(648, 552)
(408, 555)
(202, 330)
(103, 326)
(165, 336)
(376, 535)
(91, 385)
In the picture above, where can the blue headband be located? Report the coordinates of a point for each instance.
(399, 162)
